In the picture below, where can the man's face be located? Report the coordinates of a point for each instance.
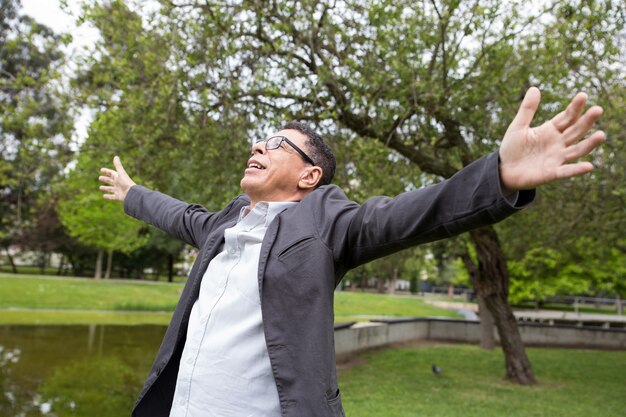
(274, 175)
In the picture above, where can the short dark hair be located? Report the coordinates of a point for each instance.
(317, 149)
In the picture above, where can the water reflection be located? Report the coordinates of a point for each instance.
(58, 371)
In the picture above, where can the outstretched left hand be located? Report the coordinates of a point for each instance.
(530, 157)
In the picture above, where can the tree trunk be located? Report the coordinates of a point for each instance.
(487, 341)
(170, 268)
(619, 305)
(98, 273)
(380, 285)
(492, 284)
(107, 274)
(363, 280)
(41, 263)
(61, 265)
(72, 262)
(392, 283)
(11, 261)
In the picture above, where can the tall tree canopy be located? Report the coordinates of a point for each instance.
(35, 122)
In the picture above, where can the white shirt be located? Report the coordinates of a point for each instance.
(225, 368)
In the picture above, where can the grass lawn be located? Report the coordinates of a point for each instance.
(44, 292)
(350, 304)
(103, 302)
(399, 383)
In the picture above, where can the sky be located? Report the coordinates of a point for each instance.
(50, 14)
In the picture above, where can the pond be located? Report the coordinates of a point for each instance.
(59, 371)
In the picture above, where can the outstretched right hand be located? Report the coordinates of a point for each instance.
(118, 180)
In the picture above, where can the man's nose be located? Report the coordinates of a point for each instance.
(258, 147)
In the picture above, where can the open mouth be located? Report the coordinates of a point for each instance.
(255, 165)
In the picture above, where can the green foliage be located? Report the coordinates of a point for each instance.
(93, 220)
(35, 121)
(405, 94)
(582, 270)
(420, 264)
(458, 274)
(540, 274)
(137, 80)
(436, 83)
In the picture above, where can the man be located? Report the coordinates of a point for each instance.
(252, 334)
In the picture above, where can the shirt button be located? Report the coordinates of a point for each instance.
(182, 402)
(190, 361)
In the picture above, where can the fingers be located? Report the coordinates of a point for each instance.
(578, 151)
(573, 170)
(527, 109)
(107, 171)
(582, 125)
(110, 192)
(571, 114)
(119, 169)
(107, 189)
(106, 178)
(118, 165)
(117, 181)
(112, 175)
(585, 147)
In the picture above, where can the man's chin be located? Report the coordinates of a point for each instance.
(246, 184)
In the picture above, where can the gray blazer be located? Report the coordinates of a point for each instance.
(306, 251)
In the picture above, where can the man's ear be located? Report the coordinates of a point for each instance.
(310, 177)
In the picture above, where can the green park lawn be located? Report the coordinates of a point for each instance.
(400, 383)
(39, 299)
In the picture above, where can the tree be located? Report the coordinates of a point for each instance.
(434, 84)
(35, 122)
(136, 80)
(92, 220)
(389, 268)
(132, 80)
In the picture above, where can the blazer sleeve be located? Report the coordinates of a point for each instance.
(190, 223)
(382, 225)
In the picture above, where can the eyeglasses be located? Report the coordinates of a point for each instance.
(275, 141)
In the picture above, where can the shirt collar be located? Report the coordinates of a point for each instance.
(268, 210)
